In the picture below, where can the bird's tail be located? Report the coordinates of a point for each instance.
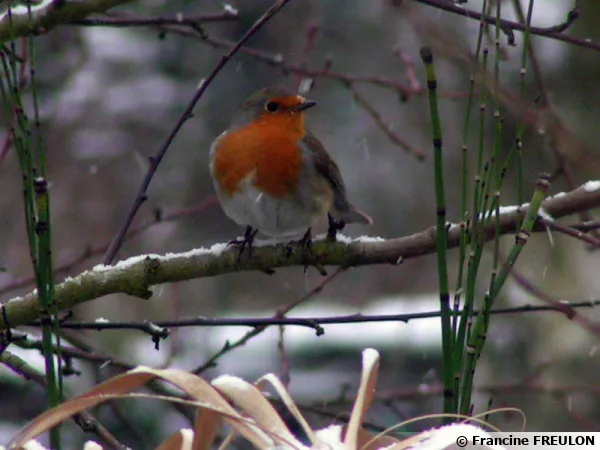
(356, 216)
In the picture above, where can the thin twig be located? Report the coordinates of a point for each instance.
(28, 342)
(383, 125)
(278, 61)
(85, 420)
(545, 104)
(117, 22)
(279, 315)
(411, 74)
(570, 231)
(285, 373)
(313, 322)
(554, 32)
(552, 302)
(434, 390)
(304, 84)
(159, 217)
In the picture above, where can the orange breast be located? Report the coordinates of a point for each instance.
(268, 147)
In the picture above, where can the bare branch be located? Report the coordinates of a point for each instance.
(279, 314)
(383, 125)
(47, 15)
(119, 22)
(554, 32)
(89, 252)
(136, 275)
(567, 309)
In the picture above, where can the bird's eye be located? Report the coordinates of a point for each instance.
(272, 106)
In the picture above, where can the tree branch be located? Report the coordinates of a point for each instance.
(118, 22)
(47, 15)
(554, 32)
(136, 275)
(151, 328)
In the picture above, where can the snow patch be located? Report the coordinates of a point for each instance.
(16, 299)
(591, 186)
(188, 437)
(370, 357)
(368, 239)
(448, 436)
(330, 437)
(361, 239)
(215, 250)
(91, 445)
(232, 381)
(544, 215)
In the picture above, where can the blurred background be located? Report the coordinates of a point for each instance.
(110, 96)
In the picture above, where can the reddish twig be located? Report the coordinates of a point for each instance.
(27, 342)
(278, 61)
(285, 373)
(91, 252)
(570, 231)
(563, 307)
(6, 146)
(415, 84)
(304, 84)
(279, 315)
(582, 422)
(383, 125)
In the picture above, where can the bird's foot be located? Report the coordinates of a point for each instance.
(245, 243)
(308, 258)
(305, 243)
(334, 227)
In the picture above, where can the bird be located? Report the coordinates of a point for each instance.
(270, 173)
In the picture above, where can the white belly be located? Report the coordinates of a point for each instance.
(271, 216)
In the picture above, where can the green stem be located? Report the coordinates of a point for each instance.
(475, 244)
(441, 239)
(37, 215)
(480, 327)
(464, 237)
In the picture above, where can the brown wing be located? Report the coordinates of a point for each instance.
(331, 172)
(329, 169)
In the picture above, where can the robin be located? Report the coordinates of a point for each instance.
(271, 174)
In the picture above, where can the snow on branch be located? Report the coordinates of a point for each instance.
(47, 15)
(135, 276)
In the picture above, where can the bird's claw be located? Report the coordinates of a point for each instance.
(307, 255)
(305, 243)
(245, 243)
(334, 227)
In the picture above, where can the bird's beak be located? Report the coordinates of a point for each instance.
(304, 105)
